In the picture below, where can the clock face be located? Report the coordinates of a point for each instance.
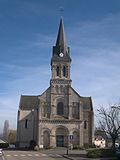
(61, 54)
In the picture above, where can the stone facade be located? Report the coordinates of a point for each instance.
(59, 116)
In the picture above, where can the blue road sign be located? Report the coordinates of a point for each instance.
(71, 137)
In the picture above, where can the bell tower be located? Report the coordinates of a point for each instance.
(60, 82)
(60, 62)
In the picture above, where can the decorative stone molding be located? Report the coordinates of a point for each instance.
(60, 121)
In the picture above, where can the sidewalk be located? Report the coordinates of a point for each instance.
(72, 154)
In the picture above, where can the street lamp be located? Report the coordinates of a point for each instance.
(33, 123)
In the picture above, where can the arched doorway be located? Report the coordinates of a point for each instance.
(61, 136)
(46, 139)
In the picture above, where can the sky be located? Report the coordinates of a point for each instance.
(28, 31)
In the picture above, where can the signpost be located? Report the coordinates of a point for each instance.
(70, 140)
(71, 137)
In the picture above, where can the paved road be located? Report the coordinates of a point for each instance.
(30, 155)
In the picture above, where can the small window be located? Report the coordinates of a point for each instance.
(26, 123)
(85, 124)
(58, 71)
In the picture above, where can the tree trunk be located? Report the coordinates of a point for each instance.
(113, 142)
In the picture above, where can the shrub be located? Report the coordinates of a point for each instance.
(78, 147)
(32, 144)
(95, 153)
(4, 145)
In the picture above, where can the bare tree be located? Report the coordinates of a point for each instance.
(109, 122)
(6, 130)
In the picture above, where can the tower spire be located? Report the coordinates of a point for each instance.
(61, 39)
(61, 50)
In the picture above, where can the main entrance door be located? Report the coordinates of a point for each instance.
(61, 136)
(60, 141)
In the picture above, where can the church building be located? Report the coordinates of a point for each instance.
(59, 117)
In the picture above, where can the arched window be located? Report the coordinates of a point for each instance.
(58, 71)
(60, 108)
(64, 71)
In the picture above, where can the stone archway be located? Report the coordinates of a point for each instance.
(46, 139)
(62, 136)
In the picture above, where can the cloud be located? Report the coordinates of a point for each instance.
(96, 51)
(94, 70)
(26, 81)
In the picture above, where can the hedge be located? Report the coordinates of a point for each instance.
(4, 145)
(96, 153)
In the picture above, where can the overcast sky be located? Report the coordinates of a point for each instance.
(28, 30)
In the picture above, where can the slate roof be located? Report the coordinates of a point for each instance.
(2, 141)
(28, 102)
(32, 102)
(87, 103)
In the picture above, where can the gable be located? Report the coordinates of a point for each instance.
(74, 96)
(86, 101)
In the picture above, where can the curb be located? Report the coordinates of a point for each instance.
(65, 156)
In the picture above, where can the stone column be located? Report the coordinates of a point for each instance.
(68, 70)
(39, 136)
(53, 111)
(81, 134)
(81, 124)
(53, 141)
(53, 71)
(81, 110)
(53, 138)
(70, 111)
(40, 110)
